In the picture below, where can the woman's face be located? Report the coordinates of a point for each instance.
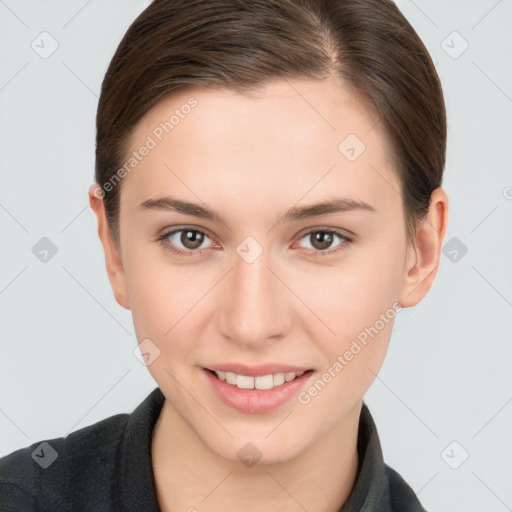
(260, 281)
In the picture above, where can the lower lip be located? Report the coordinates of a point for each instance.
(256, 401)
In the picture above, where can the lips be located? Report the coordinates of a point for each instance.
(256, 401)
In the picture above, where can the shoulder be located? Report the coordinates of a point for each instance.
(41, 476)
(402, 497)
(13, 498)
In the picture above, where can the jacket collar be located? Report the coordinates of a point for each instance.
(136, 485)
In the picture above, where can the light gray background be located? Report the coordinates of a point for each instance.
(67, 347)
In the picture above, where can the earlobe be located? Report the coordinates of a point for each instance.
(422, 261)
(113, 261)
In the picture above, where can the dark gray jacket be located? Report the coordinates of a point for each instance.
(106, 467)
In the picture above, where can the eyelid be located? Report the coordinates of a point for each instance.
(166, 233)
(343, 232)
(347, 235)
(346, 243)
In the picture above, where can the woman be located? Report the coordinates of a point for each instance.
(268, 196)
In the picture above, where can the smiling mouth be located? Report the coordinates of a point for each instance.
(262, 382)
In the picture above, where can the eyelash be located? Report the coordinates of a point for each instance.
(164, 240)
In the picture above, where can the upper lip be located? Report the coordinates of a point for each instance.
(258, 370)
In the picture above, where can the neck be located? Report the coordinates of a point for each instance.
(190, 476)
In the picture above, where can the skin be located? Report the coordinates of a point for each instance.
(250, 158)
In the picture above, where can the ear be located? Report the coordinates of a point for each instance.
(422, 260)
(113, 259)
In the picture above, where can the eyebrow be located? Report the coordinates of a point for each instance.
(337, 205)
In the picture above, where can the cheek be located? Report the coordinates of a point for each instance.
(357, 316)
(354, 306)
(352, 295)
(161, 294)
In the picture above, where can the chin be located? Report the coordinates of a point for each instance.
(256, 451)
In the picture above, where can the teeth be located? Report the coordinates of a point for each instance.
(261, 382)
(244, 382)
(289, 376)
(278, 379)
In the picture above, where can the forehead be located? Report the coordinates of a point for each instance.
(300, 105)
(288, 138)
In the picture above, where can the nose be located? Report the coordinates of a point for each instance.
(254, 304)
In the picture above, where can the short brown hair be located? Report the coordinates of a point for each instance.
(240, 45)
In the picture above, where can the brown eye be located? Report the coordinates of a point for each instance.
(184, 241)
(191, 239)
(321, 241)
